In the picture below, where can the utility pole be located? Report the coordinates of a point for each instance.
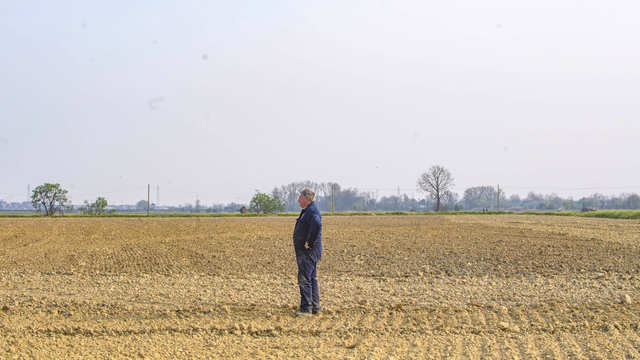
(158, 197)
(332, 203)
(498, 197)
(148, 198)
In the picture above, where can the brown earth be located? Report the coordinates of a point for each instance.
(392, 287)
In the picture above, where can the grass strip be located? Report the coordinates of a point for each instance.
(609, 214)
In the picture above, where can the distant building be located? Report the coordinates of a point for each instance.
(16, 206)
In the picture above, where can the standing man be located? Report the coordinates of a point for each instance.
(307, 241)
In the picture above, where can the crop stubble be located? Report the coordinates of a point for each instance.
(466, 286)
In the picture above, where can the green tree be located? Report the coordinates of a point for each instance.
(266, 203)
(95, 208)
(50, 199)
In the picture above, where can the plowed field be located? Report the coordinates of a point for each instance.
(392, 287)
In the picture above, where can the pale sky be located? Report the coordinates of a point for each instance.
(216, 99)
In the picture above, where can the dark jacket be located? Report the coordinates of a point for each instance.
(308, 228)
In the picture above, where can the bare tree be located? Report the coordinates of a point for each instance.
(436, 181)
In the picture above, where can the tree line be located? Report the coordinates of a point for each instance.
(436, 183)
(473, 199)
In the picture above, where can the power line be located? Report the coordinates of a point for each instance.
(108, 192)
(587, 188)
(206, 193)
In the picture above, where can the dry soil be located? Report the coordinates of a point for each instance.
(392, 287)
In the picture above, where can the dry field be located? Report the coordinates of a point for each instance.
(392, 287)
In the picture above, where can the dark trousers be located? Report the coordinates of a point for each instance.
(307, 268)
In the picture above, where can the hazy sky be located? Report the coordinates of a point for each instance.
(218, 98)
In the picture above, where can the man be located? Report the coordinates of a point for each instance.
(307, 242)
